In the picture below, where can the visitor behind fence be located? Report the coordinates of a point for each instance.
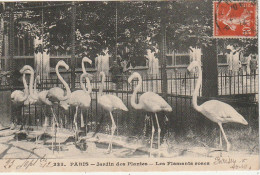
(253, 65)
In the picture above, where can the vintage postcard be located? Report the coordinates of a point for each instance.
(130, 86)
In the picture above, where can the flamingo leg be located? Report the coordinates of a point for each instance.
(87, 122)
(151, 146)
(113, 128)
(159, 131)
(220, 139)
(53, 128)
(146, 120)
(81, 119)
(225, 137)
(45, 121)
(76, 124)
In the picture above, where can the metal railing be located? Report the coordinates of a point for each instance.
(180, 89)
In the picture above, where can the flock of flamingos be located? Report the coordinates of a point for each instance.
(214, 110)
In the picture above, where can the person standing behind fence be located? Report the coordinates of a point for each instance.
(253, 65)
(229, 60)
(236, 61)
(116, 74)
(102, 62)
(247, 60)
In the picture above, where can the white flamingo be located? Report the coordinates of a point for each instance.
(150, 102)
(215, 110)
(44, 101)
(39, 97)
(81, 98)
(86, 60)
(18, 97)
(33, 96)
(73, 101)
(109, 103)
(56, 94)
(29, 70)
(65, 104)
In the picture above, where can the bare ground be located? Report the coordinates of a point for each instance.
(125, 147)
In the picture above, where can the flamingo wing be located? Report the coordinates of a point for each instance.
(55, 94)
(117, 102)
(17, 96)
(80, 98)
(42, 97)
(220, 112)
(154, 102)
(15, 93)
(111, 102)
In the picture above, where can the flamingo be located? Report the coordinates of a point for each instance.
(33, 96)
(215, 110)
(30, 98)
(109, 103)
(56, 94)
(150, 102)
(86, 59)
(64, 104)
(75, 96)
(81, 98)
(18, 97)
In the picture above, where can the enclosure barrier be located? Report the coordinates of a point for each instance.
(182, 119)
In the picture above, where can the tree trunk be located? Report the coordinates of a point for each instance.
(73, 59)
(163, 48)
(12, 63)
(210, 70)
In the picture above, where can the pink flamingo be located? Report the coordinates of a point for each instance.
(215, 110)
(56, 94)
(18, 96)
(150, 102)
(81, 98)
(109, 103)
(33, 96)
(27, 70)
(86, 60)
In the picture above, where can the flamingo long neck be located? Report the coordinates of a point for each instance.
(133, 103)
(196, 91)
(35, 86)
(103, 76)
(32, 94)
(88, 84)
(83, 67)
(64, 83)
(35, 94)
(26, 90)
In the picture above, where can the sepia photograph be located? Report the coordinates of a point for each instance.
(94, 86)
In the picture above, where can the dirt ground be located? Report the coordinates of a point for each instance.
(123, 147)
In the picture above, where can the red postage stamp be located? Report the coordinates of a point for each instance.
(235, 19)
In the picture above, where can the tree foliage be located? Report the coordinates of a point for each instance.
(128, 28)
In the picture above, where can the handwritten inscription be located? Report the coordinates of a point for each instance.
(235, 164)
(28, 162)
